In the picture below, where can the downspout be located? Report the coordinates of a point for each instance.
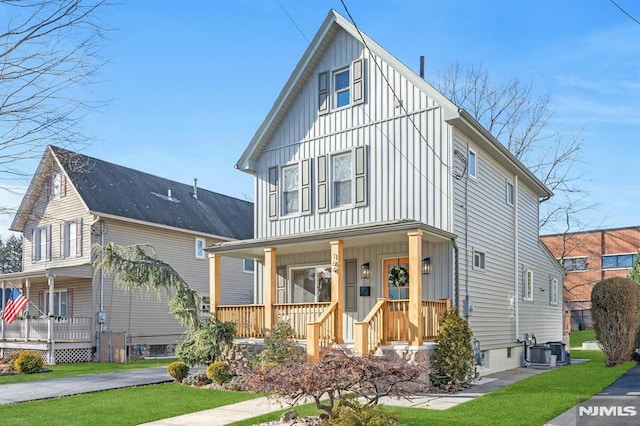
(456, 275)
(516, 257)
(102, 324)
(466, 242)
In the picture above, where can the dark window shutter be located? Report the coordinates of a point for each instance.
(281, 284)
(323, 92)
(357, 82)
(351, 285)
(48, 243)
(48, 187)
(323, 193)
(273, 193)
(69, 303)
(361, 176)
(79, 238)
(306, 187)
(34, 244)
(63, 244)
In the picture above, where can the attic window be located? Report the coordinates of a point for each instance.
(167, 197)
(341, 86)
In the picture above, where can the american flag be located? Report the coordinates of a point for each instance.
(16, 303)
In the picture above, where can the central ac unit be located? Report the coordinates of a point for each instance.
(540, 355)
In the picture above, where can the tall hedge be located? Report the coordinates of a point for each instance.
(615, 310)
(452, 363)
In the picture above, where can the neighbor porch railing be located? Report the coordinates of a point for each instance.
(37, 329)
(321, 334)
(388, 321)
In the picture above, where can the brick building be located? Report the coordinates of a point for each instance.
(589, 257)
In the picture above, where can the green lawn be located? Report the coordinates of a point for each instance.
(129, 406)
(82, 368)
(580, 336)
(532, 401)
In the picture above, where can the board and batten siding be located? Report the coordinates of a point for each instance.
(54, 213)
(145, 317)
(486, 223)
(408, 148)
(436, 286)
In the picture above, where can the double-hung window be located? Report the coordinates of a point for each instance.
(71, 240)
(554, 293)
(472, 164)
(342, 177)
(510, 194)
(478, 260)
(290, 189)
(41, 244)
(341, 84)
(527, 290)
(60, 303)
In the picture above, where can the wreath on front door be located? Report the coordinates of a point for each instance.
(398, 276)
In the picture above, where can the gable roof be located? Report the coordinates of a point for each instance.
(454, 115)
(108, 189)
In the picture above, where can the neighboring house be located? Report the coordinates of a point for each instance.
(75, 201)
(590, 257)
(379, 204)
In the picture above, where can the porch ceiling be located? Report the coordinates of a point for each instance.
(354, 236)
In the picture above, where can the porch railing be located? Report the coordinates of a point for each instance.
(298, 315)
(432, 313)
(369, 333)
(321, 334)
(249, 319)
(388, 321)
(37, 329)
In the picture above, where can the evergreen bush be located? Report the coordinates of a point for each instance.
(614, 309)
(29, 362)
(279, 346)
(178, 370)
(452, 363)
(218, 372)
(349, 412)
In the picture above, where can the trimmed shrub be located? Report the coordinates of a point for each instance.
(614, 309)
(452, 364)
(279, 346)
(205, 345)
(29, 362)
(178, 370)
(350, 412)
(218, 372)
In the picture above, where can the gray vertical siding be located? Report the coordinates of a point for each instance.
(408, 148)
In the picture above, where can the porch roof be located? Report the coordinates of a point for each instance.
(79, 271)
(356, 235)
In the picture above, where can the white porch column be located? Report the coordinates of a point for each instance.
(50, 325)
(214, 282)
(416, 322)
(27, 284)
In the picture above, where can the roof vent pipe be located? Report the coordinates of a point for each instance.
(422, 67)
(169, 193)
(195, 188)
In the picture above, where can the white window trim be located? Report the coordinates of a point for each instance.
(332, 201)
(70, 236)
(484, 260)
(334, 91)
(244, 269)
(554, 291)
(200, 253)
(527, 291)
(46, 302)
(282, 190)
(41, 244)
(289, 288)
(475, 163)
(509, 194)
(56, 190)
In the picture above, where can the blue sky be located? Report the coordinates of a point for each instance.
(188, 83)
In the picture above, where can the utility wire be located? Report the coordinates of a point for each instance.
(625, 12)
(293, 21)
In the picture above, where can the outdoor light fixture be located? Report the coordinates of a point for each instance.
(365, 271)
(426, 266)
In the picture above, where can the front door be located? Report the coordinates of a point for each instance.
(395, 284)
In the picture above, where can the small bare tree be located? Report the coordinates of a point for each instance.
(522, 122)
(49, 49)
